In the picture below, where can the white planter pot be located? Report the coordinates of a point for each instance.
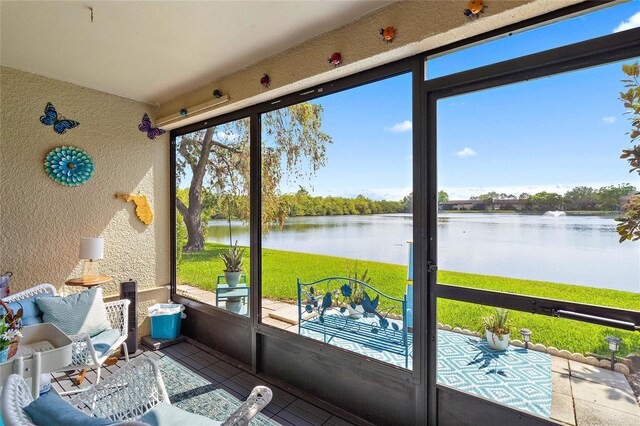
(234, 305)
(495, 342)
(232, 278)
(356, 313)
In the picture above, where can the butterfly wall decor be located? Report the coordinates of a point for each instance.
(145, 126)
(60, 124)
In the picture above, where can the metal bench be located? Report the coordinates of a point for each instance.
(383, 325)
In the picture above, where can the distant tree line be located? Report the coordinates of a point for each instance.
(301, 203)
(580, 198)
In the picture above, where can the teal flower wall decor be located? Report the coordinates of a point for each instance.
(69, 166)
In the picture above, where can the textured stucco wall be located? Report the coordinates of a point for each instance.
(422, 25)
(42, 221)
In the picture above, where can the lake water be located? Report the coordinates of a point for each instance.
(568, 249)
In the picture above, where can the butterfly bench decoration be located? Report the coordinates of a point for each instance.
(323, 314)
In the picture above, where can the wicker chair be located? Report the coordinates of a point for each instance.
(84, 355)
(123, 397)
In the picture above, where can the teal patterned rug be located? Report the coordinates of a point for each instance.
(515, 377)
(196, 395)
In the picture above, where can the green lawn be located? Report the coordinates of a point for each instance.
(282, 268)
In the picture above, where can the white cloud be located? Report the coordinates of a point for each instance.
(609, 120)
(632, 22)
(403, 126)
(385, 193)
(227, 136)
(466, 152)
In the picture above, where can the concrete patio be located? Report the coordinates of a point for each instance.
(587, 395)
(582, 395)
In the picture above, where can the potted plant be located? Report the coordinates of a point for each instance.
(232, 259)
(10, 332)
(497, 328)
(354, 302)
(353, 296)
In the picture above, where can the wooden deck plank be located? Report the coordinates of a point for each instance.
(284, 408)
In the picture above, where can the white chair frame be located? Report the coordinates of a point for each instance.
(124, 397)
(84, 355)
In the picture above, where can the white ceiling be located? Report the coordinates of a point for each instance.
(153, 51)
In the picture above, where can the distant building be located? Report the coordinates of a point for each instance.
(482, 205)
(463, 205)
(509, 204)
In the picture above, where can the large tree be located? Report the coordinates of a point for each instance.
(443, 198)
(545, 201)
(580, 198)
(217, 158)
(612, 197)
(629, 226)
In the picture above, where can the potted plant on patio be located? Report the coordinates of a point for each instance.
(354, 301)
(232, 259)
(497, 328)
(354, 295)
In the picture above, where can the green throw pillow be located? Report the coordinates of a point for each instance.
(77, 313)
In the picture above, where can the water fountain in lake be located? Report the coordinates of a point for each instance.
(555, 213)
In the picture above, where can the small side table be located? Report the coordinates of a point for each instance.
(236, 296)
(89, 282)
(233, 294)
(224, 292)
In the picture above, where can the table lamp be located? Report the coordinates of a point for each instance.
(91, 249)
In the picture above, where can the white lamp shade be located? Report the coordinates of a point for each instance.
(91, 248)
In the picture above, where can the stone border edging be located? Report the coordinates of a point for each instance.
(591, 360)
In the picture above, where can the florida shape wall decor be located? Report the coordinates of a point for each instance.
(143, 209)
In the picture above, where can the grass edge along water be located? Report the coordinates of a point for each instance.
(281, 268)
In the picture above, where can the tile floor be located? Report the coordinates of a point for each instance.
(284, 409)
(582, 395)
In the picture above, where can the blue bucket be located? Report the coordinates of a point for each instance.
(165, 320)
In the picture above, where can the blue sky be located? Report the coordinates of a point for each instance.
(549, 134)
(371, 150)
